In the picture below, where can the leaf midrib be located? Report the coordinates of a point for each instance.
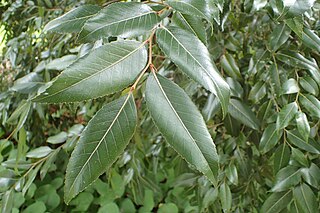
(271, 208)
(97, 73)
(99, 143)
(217, 88)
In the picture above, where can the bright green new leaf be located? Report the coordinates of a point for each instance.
(192, 24)
(105, 70)
(296, 139)
(311, 104)
(290, 86)
(276, 202)
(279, 36)
(286, 178)
(101, 143)
(305, 199)
(182, 125)
(286, 114)
(309, 85)
(270, 138)
(124, 19)
(303, 125)
(242, 113)
(194, 59)
(73, 20)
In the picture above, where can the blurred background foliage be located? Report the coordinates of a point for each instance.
(268, 55)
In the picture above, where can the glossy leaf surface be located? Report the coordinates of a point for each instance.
(105, 70)
(286, 114)
(101, 143)
(276, 202)
(182, 125)
(305, 199)
(269, 138)
(194, 59)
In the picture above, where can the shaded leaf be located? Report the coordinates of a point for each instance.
(193, 59)
(305, 199)
(279, 36)
(286, 114)
(105, 70)
(311, 104)
(211, 107)
(182, 125)
(287, 177)
(230, 66)
(276, 202)
(281, 157)
(225, 197)
(258, 91)
(232, 174)
(242, 113)
(124, 19)
(61, 63)
(270, 138)
(100, 144)
(73, 20)
(299, 157)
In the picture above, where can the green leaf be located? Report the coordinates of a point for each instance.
(270, 138)
(311, 104)
(290, 86)
(276, 202)
(298, 7)
(73, 20)
(279, 36)
(242, 113)
(297, 60)
(58, 138)
(305, 199)
(309, 85)
(310, 39)
(182, 125)
(100, 144)
(7, 201)
(296, 139)
(124, 19)
(36, 207)
(287, 177)
(211, 107)
(192, 24)
(232, 174)
(48, 163)
(258, 91)
(31, 176)
(298, 156)
(194, 59)
(61, 63)
(109, 207)
(296, 25)
(286, 114)
(312, 175)
(303, 125)
(201, 9)
(225, 197)
(168, 207)
(281, 157)
(230, 66)
(39, 152)
(105, 70)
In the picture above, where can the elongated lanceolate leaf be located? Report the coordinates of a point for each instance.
(100, 144)
(286, 114)
(194, 59)
(305, 199)
(124, 19)
(73, 20)
(105, 70)
(276, 202)
(269, 138)
(242, 113)
(182, 125)
(286, 178)
(279, 36)
(311, 103)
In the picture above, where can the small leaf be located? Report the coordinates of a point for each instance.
(194, 59)
(230, 66)
(192, 24)
(225, 197)
(303, 125)
(290, 86)
(73, 20)
(287, 177)
(105, 70)
(232, 174)
(242, 113)
(279, 36)
(31, 176)
(286, 114)
(39, 152)
(305, 199)
(61, 63)
(296, 139)
(276, 202)
(281, 157)
(124, 19)
(100, 144)
(311, 104)
(309, 85)
(48, 163)
(58, 138)
(183, 127)
(270, 138)
(211, 107)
